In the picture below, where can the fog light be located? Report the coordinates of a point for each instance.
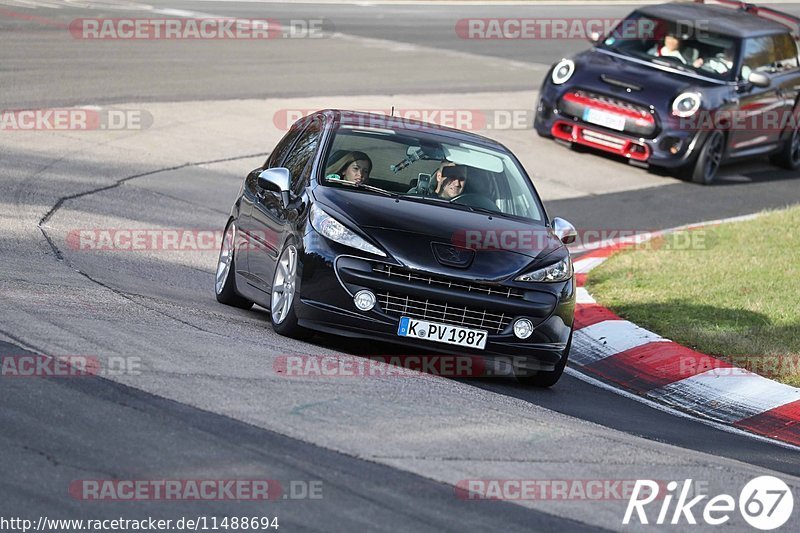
(364, 300)
(523, 328)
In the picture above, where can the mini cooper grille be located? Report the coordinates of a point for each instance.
(615, 102)
(638, 119)
(424, 279)
(470, 317)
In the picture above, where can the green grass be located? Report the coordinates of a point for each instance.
(732, 291)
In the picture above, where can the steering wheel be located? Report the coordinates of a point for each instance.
(474, 200)
(673, 59)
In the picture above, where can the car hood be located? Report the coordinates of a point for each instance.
(418, 235)
(599, 71)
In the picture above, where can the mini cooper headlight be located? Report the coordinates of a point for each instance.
(556, 272)
(329, 227)
(563, 71)
(686, 105)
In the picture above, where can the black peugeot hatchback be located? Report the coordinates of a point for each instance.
(377, 227)
(684, 86)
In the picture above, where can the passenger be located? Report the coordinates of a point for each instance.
(453, 181)
(352, 166)
(435, 184)
(721, 63)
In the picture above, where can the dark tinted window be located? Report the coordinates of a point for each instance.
(759, 53)
(785, 51)
(282, 149)
(300, 159)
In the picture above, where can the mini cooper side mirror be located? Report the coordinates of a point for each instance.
(564, 230)
(595, 37)
(276, 180)
(759, 79)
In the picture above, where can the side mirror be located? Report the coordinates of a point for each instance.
(564, 230)
(277, 180)
(759, 79)
(595, 37)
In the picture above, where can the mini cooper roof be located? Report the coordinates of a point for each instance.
(717, 19)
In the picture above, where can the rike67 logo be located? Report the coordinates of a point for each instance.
(765, 503)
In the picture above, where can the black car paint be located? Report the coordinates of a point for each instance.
(406, 229)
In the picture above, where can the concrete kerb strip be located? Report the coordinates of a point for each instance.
(640, 361)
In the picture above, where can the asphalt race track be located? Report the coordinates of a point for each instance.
(200, 397)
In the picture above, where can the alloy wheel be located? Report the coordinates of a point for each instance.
(283, 286)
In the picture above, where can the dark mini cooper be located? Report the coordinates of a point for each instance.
(369, 226)
(685, 86)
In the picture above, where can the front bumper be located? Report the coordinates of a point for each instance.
(668, 147)
(332, 273)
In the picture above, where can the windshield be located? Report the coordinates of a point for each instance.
(427, 168)
(684, 45)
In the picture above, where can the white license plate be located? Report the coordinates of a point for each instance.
(433, 331)
(603, 118)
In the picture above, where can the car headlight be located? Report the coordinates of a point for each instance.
(556, 272)
(329, 227)
(563, 71)
(686, 104)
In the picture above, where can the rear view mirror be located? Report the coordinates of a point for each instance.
(565, 231)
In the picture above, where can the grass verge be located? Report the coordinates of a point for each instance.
(731, 291)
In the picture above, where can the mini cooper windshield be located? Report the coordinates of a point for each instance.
(429, 168)
(687, 46)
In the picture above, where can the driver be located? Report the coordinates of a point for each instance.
(453, 180)
(672, 48)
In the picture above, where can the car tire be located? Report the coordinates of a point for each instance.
(546, 378)
(283, 297)
(706, 165)
(225, 278)
(789, 156)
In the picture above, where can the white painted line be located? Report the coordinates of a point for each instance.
(644, 237)
(582, 296)
(727, 396)
(582, 266)
(674, 412)
(608, 338)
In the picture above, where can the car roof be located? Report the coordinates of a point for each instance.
(347, 117)
(717, 19)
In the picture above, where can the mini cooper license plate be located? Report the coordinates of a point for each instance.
(433, 331)
(603, 118)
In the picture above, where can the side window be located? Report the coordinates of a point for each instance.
(279, 153)
(785, 51)
(759, 54)
(300, 159)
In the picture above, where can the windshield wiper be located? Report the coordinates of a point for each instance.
(362, 186)
(476, 209)
(472, 208)
(675, 65)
